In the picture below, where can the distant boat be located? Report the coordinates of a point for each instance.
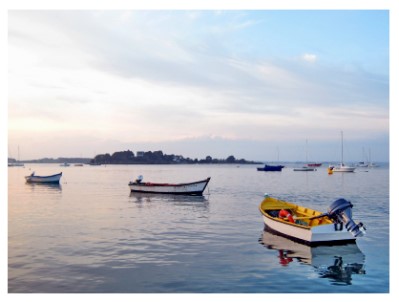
(305, 169)
(310, 226)
(362, 164)
(314, 164)
(78, 165)
(43, 179)
(192, 188)
(342, 167)
(271, 168)
(64, 165)
(16, 164)
(371, 164)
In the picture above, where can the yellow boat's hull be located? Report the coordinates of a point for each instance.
(310, 231)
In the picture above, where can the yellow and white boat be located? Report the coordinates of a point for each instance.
(310, 226)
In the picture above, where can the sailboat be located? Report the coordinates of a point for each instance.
(272, 168)
(363, 163)
(16, 163)
(371, 164)
(342, 167)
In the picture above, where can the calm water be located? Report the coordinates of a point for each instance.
(91, 235)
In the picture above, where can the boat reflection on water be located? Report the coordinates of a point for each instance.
(45, 187)
(337, 262)
(150, 197)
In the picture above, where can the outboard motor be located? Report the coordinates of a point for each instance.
(341, 211)
(139, 179)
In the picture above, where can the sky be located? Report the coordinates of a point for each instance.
(264, 84)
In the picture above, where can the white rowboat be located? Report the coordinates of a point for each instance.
(192, 188)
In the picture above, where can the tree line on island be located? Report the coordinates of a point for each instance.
(158, 157)
(141, 157)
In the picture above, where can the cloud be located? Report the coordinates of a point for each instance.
(149, 76)
(145, 49)
(308, 57)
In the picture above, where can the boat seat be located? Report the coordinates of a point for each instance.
(313, 222)
(301, 222)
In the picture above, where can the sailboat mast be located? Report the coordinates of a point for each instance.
(369, 157)
(342, 147)
(278, 154)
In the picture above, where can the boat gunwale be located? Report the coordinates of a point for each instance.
(188, 193)
(42, 177)
(291, 206)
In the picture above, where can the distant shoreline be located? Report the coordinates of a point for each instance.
(156, 158)
(290, 163)
(69, 161)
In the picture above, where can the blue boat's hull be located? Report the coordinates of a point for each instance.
(271, 168)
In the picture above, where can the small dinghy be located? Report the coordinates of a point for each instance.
(310, 226)
(51, 179)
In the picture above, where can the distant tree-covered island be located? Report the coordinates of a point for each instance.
(158, 157)
(141, 157)
(48, 160)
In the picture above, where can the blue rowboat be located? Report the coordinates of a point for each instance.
(43, 179)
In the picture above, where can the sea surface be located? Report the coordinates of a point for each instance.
(91, 235)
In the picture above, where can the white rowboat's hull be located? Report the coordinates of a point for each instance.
(44, 179)
(193, 188)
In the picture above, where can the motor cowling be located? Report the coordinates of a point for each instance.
(340, 211)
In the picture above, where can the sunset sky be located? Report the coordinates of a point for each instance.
(255, 84)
